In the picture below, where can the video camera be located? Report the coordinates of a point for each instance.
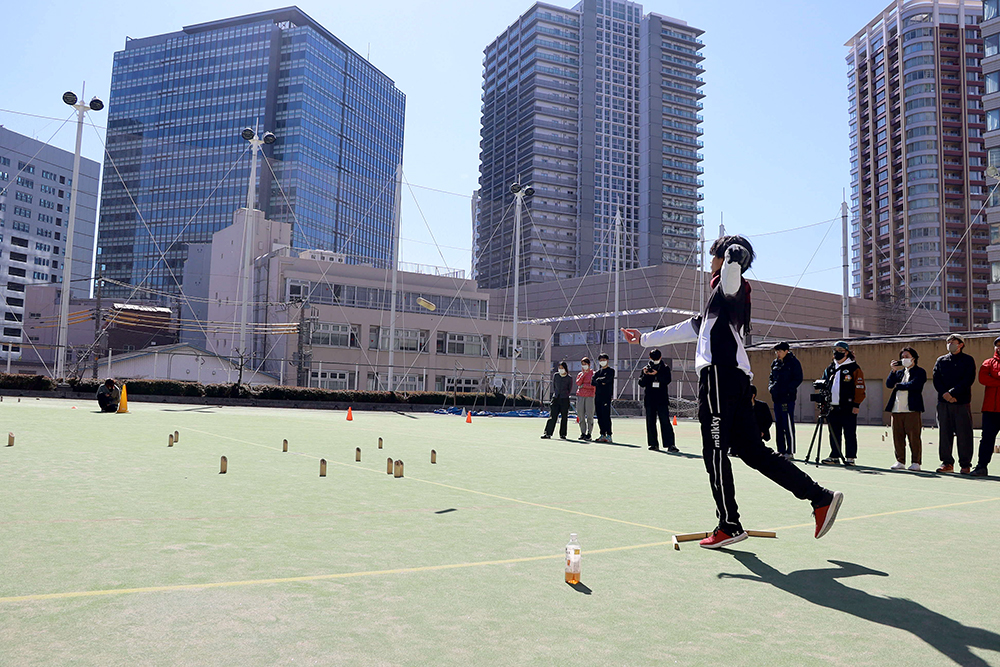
(822, 394)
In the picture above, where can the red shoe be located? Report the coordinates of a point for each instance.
(826, 515)
(719, 539)
(946, 467)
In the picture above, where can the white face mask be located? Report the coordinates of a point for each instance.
(603, 362)
(562, 371)
(953, 348)
(585, 367)
(907, 362)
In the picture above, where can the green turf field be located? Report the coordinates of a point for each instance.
(117, 550)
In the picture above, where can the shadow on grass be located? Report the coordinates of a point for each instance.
(820, 587)
(207, 409)
(581, 588)
(611, 444)
(405, 414)
(680, 455)
(450, 509)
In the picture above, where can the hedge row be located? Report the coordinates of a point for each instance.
(282, 393)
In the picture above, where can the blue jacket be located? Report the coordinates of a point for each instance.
(786, 376)
(915, 387)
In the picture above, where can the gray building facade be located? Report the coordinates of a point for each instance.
(36, 181)
(595, 107)
(991, 102)
(178, 168)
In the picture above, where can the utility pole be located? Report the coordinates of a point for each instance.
(617, 270)
(396, 218)
(847, 314)
(303, 356)
(96, 350)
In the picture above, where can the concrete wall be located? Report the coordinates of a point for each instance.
(873, 356)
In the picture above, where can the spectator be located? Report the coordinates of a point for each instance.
(847, 389)
(954, 374)
(762, 414)
(562, 384)
(783, 384)
(108, 396)
(906, 403)
(585, 399)
(655, 378)
(604, 389)
(989, 376)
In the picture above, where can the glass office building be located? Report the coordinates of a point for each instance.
(177, 167)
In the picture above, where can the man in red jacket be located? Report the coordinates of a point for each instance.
(989, 377)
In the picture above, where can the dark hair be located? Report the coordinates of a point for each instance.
(585, 360)
(720, 245)
(913, 353)
(109, 381)
(753, 390)
(562, 364)
(603, 355)
(655, 354)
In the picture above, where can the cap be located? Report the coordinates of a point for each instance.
(955, 336)
(996, 340)
(781, 346)
(842, 344)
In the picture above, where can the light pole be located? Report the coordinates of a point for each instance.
(70, 98)
(255, 144)
(519, 193)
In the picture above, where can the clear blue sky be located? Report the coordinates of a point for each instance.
(776, 151)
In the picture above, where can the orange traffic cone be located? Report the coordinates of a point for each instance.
(123, 402)
(675, 420)
(468, 417)
(350, 415)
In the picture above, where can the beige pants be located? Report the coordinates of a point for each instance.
(907, 425)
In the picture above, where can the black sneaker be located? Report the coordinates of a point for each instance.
(673, 450)
(562, 437)
(585, 436)
(546, 436)
(654, 449)
(831, 461)
(979, 472)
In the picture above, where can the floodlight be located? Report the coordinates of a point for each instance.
(69, 97)
(528, 191)
(515, 188)
(96, 104)
(992, 172)
(248, 134)
(269, 138)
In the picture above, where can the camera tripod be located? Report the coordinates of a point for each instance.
(817, 438)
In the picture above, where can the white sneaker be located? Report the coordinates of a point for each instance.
(897, 466)
(914, 467)
(849, 462)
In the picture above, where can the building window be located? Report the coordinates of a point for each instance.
(992, 44)
(335, 335)
(992, 120)
(996, 311)
(456, 385)
(331, 379)
(990, 11)
(461, 344)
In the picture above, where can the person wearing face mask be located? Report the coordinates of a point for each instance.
(954, 374)
(989, 377)
(604, 389)
(562, 384)
(655, 378)
(847, 388)
(585, 399)
(724, 404)
(906, 403)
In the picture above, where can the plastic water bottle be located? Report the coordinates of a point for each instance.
(573, 560)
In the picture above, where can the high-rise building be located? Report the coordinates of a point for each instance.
(36, 180)
(991, 101)
(915, 93)
(597, 108)
(177, 167)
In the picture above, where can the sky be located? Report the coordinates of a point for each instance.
(775, 128)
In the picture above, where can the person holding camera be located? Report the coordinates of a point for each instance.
(846, 383)
(906, 403)
(954, 374)
(562, 385)
(655, 378)
(783, 384)
(725, 410)
(604, 389)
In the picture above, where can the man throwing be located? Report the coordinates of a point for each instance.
(724, 406)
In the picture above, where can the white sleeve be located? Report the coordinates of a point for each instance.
(683, 332)
(732, 275)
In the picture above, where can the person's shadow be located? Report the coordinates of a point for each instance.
(821, 587)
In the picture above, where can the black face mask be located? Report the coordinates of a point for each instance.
(839, 355)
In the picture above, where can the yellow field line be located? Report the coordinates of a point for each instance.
(909, 511)
(315, 577)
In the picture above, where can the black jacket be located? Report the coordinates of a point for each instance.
(661, 378)
(954, 374)
(915, 387)
(786, 376)
(562, 385)
(852, 383)
(762, 413)
(604, 380)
